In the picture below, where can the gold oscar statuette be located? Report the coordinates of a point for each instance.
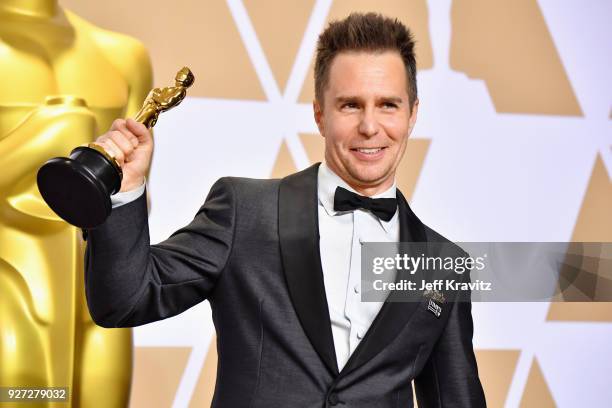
(78, 188)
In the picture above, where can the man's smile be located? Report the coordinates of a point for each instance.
(370, 153)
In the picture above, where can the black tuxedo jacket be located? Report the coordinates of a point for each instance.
(252, 250)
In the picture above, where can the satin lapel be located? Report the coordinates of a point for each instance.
(298, 229)
(393, 316)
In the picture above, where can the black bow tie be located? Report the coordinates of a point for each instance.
(383, 208)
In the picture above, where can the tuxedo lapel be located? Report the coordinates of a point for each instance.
(393, 316)
(298, 227)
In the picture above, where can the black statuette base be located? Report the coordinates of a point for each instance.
(78, 188)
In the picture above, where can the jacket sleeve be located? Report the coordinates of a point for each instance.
(129, 282)
(450, 379)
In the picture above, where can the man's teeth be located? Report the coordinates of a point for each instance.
(370, 151)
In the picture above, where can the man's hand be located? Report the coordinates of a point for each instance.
(131, 144)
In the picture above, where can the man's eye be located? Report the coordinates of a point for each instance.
(349, 105)
(389, 105)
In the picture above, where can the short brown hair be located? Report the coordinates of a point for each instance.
(369, 32)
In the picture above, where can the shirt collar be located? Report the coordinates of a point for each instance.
(326, 189)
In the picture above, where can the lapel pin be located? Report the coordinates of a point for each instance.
(436, 299)
(434, 308)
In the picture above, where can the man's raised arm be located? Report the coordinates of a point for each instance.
(129, 282)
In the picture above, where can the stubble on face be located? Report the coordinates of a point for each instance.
(366, 118)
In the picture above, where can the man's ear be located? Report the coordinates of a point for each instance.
(413, 114)
(318, 115)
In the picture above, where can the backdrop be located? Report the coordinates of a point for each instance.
(512, 143)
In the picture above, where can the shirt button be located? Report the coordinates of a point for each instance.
(361, 241)
(359, 334)
(356, 288)
(333, 399)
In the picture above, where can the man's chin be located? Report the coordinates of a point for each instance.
(368, 177)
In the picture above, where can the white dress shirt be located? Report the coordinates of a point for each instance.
(340, 245)
(119, 199)
(341, 236)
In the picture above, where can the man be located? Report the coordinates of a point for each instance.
(277, 259)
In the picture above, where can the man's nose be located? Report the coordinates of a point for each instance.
(369, 123)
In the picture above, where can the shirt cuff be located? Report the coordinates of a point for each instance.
(121, 198)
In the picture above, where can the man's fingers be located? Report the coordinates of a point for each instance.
(118, 124)
(126, 138)
(121, 126)
(122, 141)
(112, 149)
(139, 130)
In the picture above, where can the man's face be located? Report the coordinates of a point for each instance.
(365, 118)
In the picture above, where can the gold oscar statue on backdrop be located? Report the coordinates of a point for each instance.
(63, 81)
